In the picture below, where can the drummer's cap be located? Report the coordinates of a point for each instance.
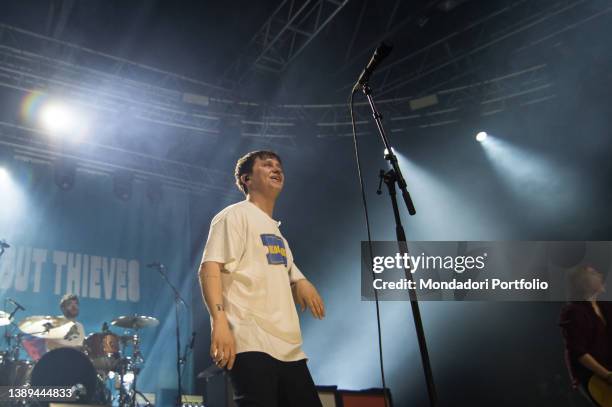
(66, 298)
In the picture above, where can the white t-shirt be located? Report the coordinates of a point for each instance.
(257, 273)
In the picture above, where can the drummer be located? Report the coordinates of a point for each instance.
(74, 338)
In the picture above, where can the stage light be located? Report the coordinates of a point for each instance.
(481, 136)
(386, 152)
(57, 117)
(61, 119)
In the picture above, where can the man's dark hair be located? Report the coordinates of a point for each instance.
(66, 298)
(244, 166)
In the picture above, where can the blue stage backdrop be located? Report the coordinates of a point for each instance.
(88, 242)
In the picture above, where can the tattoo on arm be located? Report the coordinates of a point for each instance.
(219, 307)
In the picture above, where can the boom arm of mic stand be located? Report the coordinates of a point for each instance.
(390, 156)
(177, 295)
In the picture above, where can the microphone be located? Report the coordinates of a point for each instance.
(383, 50)
(4, 245)
(15, 303)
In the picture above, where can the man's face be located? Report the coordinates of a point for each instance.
(71, 309)
(267, 176)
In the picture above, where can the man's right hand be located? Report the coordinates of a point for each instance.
(223, 346)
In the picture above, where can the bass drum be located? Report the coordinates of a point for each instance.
(67, 367)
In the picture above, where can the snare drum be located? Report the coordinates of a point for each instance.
(103, 350)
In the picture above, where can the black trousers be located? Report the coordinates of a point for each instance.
(259, 380)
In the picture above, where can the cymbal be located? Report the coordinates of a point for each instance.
(4, 318)
(48, 327)
(135, 322)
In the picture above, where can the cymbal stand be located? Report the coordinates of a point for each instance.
(12, 351)
(133, 364)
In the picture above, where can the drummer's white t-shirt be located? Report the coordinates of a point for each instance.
(257, 272)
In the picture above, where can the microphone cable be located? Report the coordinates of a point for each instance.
(367, 221)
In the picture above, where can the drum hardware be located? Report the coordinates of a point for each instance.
(136, 353)
(13, 370)
(125, 382)
(128, 367)
(13, 346)
(6, 320)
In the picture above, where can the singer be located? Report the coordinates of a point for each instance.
(250, 285)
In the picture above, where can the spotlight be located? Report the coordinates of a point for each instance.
(65, 174)
(386, 152)
(61, 119)
(57, 117)
(481, 136)
(122, 185)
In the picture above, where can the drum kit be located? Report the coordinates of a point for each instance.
(101, 371)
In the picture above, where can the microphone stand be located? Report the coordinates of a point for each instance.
(391, 178)
(177, 302)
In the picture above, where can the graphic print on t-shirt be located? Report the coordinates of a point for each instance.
(277, 254)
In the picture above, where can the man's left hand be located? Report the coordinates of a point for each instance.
(306, 295)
